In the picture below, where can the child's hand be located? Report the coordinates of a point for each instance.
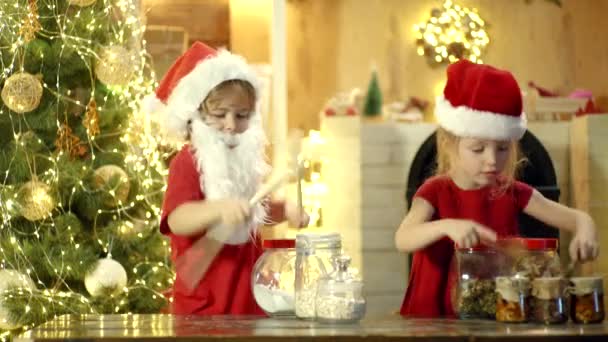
(584, 246)
(467, 233)
(232, 212)
(268, 278)
(295, 217)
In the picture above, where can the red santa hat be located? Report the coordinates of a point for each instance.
(190, 79)
(481, 101)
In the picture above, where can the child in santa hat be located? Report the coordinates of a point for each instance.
(474, 197)
(210, 98)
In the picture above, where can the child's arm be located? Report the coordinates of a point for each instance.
(584, 245)
(416, 231)
(192, 218)
(276, 211)
(280, 210)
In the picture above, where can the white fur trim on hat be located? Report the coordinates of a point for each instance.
(157, 113)
(467, 122)
(152, 104)
(192, 89)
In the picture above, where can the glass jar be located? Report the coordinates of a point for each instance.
(587, 300)
(513, 294)
(340, 295)
(475, 294)
(314, 253)
(548, 303)
(539, 258)
(273, 278)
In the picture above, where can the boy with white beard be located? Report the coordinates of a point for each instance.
(210, 98)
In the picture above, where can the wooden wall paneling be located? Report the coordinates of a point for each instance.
(204, 20)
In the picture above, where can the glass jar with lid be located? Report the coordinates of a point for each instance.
(548, 303)
(539, 258)
(513, 296)
(587, 300)
(314, 254)
(474, 296)
(273, 278)
(340, 296)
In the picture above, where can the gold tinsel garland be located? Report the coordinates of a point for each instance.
(69, 143)
(91, 119)
(31, 25)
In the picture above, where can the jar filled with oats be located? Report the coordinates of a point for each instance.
(587, 300)
(314, 254)
(549, 303)
(340, 295)
(512, 302)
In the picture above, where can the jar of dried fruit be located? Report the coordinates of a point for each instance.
(587, 300)
(512, 302)
(549, 304)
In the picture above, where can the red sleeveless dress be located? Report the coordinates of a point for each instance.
(429, 288)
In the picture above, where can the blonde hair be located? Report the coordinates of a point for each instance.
(218, 92)
(447, 150)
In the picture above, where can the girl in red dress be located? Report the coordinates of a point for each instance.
(210, 97)
(473, 197)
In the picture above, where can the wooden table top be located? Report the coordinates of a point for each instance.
(243, 328)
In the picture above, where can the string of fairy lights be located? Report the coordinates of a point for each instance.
(129, 77)
(452, 32)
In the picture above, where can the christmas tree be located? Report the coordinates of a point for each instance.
(80, 182)
(373, 99)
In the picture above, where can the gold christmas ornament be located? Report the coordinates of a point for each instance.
(12, 279)
(22, 92)
(36, 200)
(103, 175)
(82, 3)
(114, 66)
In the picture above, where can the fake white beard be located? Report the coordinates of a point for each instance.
(231, 172)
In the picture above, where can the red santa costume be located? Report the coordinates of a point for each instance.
(206, 169)
(482, 102)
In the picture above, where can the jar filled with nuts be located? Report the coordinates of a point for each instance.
(540, 258)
